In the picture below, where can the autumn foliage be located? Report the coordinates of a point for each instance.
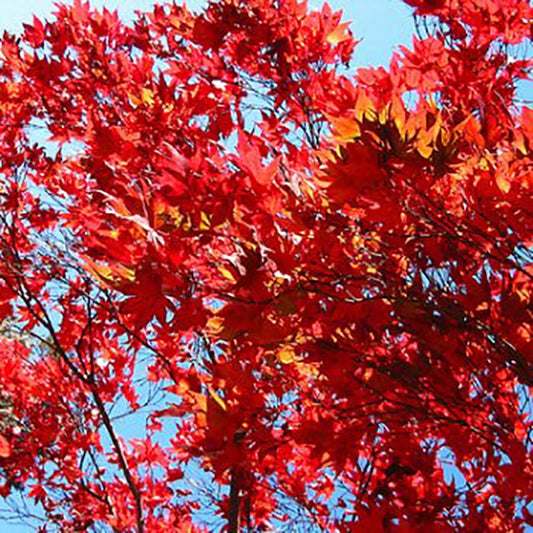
(245, 288)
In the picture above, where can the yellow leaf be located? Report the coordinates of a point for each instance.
(424, 141)
(166, 215)
(520, 142)
(147, 96)
(201, 409)
(217, 399)
(339, 34)
(204, 221)
(367, 376)
(397, 113)
(109, 273)
(227, 274)
(383, 115)
(308, 369)
(214, 325)
(503, 183)
(102, 271)
(484, 164)
(187, 225)
(364, 108)
(425, 151)
(286, 355)
(345, 128)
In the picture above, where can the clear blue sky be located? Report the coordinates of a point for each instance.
(382, 24)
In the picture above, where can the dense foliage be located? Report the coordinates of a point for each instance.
(242, 287)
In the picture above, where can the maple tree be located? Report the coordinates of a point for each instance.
(244, 288)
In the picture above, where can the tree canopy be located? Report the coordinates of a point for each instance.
(244, 288)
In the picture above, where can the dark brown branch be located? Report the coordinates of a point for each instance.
(234, 503)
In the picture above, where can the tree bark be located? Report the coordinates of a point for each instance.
(234, 503)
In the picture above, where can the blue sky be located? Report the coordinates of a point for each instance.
(382, 24)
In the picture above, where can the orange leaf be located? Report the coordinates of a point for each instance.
(5, 448)
(339, 34)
